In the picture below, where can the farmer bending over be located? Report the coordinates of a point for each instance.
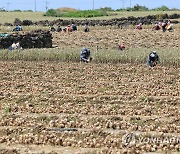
(164, 24)
(156, 27)
(85, 55)
(52, 29)
(152, 60)
(121, 46)
(74, 27)
(139, 26)
(17, 28)
(59, 29)
(68, 29)
(86, 28)
(169, 27)
(15, 46)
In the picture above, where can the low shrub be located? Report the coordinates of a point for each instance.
(76, 13)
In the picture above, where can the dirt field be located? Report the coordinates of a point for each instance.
(88, 108)
(110, 38)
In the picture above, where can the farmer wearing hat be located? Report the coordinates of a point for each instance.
(169, 27)
(86, 28)
(74, 27)
(139, 26)
(121, 46)
(85, 55)
(152, 60)
(156, 27)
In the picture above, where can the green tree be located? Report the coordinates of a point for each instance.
(51, 12)
(138, 7)
(106, 9)
(162, 8)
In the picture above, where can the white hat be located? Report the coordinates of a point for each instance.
(152, 55)
(154, 52)
(13, 45)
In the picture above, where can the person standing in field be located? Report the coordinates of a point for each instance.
(85, 55)
(153, 59)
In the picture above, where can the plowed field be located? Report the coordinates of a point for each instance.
(110, 38)
(88, 108)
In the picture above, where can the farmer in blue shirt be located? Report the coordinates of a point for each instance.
(152, 60)
(85, 55)
(17, 28)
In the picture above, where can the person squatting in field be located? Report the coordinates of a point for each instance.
(74, 27)
(167, 26)
(86, 28)
(164, 24)
(152, 60)
(139, 26)
(14, 46)
(17, 28)
(156, 26)
(59, 29)
(121, 46)
(52, 29)
(85, 55)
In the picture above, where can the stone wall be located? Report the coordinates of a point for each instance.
(33, 39)
(112, 22)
